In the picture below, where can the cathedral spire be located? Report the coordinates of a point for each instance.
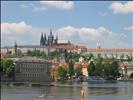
(44, 39)
(41, 40)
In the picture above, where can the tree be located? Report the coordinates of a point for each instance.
(54, 54)
(29, 53)
(75, 56)
(79, 70)
(71, 69)
(91, 69)
(111, 69)
(99, 57)
(37, 53)
(1, 66)
(90, 56)
(62, 72)
(114, 69)
(9, 68)
(43, 54)
(10, 71)
(54, 73)
(99, 69)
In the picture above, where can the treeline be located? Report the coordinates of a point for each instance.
(37, 53)
(104, 69)
(67, 72)
(53, 54)
(99, 68)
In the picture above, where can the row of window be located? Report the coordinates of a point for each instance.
(34, 70)
(32, 75)
(33, 65)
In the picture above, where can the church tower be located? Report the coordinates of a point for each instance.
(41, 40)
(98, 46)
(44, 39)
(50, 38)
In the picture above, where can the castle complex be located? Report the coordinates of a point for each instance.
(51, 41)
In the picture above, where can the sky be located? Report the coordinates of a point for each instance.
(109, 23)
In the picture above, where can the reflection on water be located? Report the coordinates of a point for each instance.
(108, 91)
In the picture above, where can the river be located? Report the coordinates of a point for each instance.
(92, 91)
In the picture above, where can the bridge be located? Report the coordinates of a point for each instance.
(129, 70)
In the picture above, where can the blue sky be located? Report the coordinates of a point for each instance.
(82, 22)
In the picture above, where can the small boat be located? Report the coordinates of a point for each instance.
(42, 96)
(122, 79)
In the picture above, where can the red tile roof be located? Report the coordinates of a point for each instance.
(69, 47)
(111, 49)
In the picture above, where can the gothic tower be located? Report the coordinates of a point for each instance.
(44, 39)
(41, 40)
(50, 38)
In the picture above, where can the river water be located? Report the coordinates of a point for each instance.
(92, 91)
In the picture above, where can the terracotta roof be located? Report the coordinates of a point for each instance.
(69, 47)
(111, 49)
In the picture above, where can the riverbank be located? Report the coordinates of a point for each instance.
(67, 91)
(64, 84)
(27, 84)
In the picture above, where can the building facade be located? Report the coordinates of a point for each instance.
(32, 70)
(118, 53)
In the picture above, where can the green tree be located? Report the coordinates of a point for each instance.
(99, 69)
(1, 66)
(29, 53)
(43, 54)
(10, 71)
(91, 56)
(38, 53)
(114, 69)
(107, 69)
(91, 69)
(74, 55)
(79, 70)
(9, 67)
(62, 72)
(34, 53)
(71, 68)
(54, 54)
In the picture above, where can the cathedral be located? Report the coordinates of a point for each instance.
(51, 41)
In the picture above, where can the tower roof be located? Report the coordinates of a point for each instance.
(41, 40)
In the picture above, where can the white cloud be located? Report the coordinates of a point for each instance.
(12, 28)
(24, 33)
(59, 4)
(39, 9)
(129, 28)
(118, 7)
(83, 33)
(93, 35)
(21, 32)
